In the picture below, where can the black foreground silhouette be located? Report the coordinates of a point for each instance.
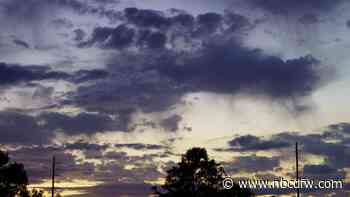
(197, 176)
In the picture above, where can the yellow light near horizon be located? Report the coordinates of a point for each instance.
(66, 193)
(75, 183)
(158, 181)
(313, 159)
(347, 176)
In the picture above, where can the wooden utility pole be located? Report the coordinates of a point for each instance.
(297, 167)
(53, 176)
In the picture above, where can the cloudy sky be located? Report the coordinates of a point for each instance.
(117, 90)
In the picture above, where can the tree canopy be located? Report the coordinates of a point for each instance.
(197, 176)
(14, 180)
(13, 177)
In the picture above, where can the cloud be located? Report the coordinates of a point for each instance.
(146, 18)
(32, 12)
(20, 128)
(13, 74)
(209, 22)
(318, 169)
(340, 127)
(62, 22)
(201, 53)
(79, 35)
(83, 123)
(152, 29)
(171, 123)
(308, 19)
(21, 43)
(85, 146)
(230, 68)
(139, 146)
(16, 128)
(253, 143)
(295, 6)
(337, 154)
(89, 75)
(252, 164)
(70, 166)
(37, 162)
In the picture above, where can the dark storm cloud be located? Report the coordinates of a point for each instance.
(146, 18)
(18, 128)
(139, 146)
(152, 40)
(120, 37)
(79, 35)
(171, 123)
(74, 4)
(128, 90)
(100, 34)
(62, 22)
(337, 154)
(341, 127)
(116, 155)
(252, 164)
(85, 146)
(28, 11)
(252, 143)
(230, 68)
(308, 19)
(293, 6)
(21, 43)
(153, 29)
(213, 60)
(12, 74)
(209, 22)
(88, 75)
(318, 169)
(124, 36)
(83, 123)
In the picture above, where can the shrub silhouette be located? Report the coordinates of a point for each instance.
(197, 176)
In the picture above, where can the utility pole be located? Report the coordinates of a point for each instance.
(53, 176)
(297, 168)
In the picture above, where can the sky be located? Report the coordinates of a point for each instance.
(117, 90)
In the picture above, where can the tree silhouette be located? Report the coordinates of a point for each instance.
(14, 180)
(13, 177)
(197, 176)
(33, 193)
